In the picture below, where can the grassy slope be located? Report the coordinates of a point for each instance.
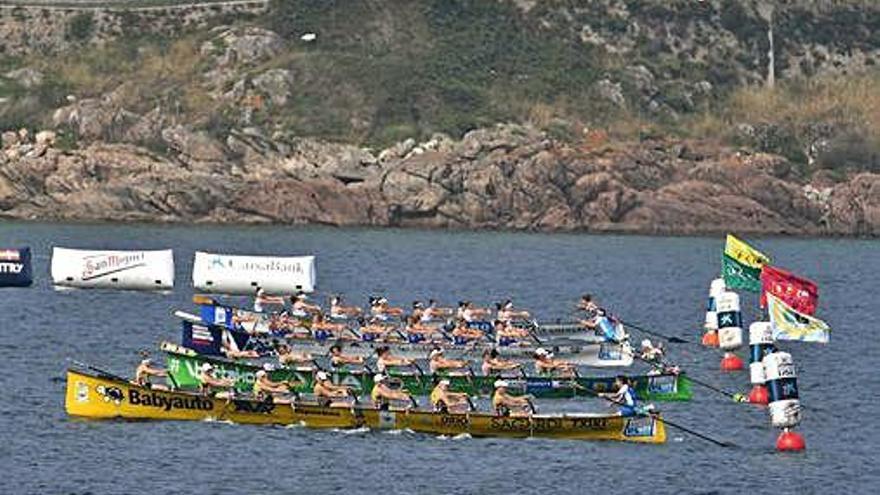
(381, 71)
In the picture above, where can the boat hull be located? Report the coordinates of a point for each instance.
(95, 396)
(183, 365)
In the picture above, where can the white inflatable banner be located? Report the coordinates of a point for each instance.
(137, 270)
(228, 274)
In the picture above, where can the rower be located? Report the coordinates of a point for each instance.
(611, 329)
(509, 405)
(625, 396)
(375, 330)
(301, 308)
(382, 394)
(340, 360)
(434, 312)
(446, 401)
(651, 353)
(507, 334)
(507, 313)
(265, 388)
(341, 312)
(287, 356)
(587, 305)
(261, 299)
(462, 334)
(208, 382)
(380, 309)
(438, 363)
(326, 391)
(493, 364)
(470, 313)
(415, 331)
(145, 370)
(385, 361)
(323, 329)
(545, 364)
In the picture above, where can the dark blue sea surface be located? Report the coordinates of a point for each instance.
(657, 281)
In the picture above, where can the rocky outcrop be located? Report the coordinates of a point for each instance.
(505, 177)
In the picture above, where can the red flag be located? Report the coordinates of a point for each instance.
(799, 293)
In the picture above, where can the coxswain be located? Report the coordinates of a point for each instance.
(507, 334)
(438, 363)
(301, 308)
(208, 382)
(505, 404)
(385, 361)
(145, 370)
(287, 356)
(545, 364)
(507, 313)
(463, 334)
(328, 393)
(446, 401)
(625, 396)
(493, 364)
(264, 387)
(339, 360)
(341, 312)
(382, 394)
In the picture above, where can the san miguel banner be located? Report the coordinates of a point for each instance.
(138, 270)
(800, 294)
(15, 268)
(741, 265)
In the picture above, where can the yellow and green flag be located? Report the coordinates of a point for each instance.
(741, 265)
(788, 324)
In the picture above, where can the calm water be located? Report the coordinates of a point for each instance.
(661, 281)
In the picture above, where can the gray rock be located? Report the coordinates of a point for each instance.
(276, 84)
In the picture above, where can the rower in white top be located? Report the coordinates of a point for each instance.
(341, 312)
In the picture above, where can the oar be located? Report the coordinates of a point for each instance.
(106, 373)
(671, 339)
(657, 417)
(689, 377)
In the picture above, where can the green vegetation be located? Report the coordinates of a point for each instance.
(81, 27)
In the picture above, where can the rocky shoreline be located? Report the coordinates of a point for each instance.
(509, 177)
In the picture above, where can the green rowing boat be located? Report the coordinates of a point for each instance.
(183, 365)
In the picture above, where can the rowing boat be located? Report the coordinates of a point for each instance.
(236, 318)
(97, 395)
(183, 365)
(207, 339)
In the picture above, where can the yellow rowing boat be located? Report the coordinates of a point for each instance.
(100, 396)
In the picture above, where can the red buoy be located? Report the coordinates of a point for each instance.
(759, 395)
(790, 441)
(710, 338)
(731, 362)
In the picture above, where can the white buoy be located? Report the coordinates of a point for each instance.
(730, 333)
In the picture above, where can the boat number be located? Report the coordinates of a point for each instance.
(454, 420)
(254, 407)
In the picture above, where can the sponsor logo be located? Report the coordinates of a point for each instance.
(14, 268)
(387, 419)
(590, 423)
(662, 384)
(455, 420)
(82, 392)
(639, 427)
(9, 255)
(110, 394)
(610, 352)
(248, 406)
(105, 264)
(272, 265)
(167, 403)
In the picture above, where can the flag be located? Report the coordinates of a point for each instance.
(744, 254)
(799, 293)
(740, 276)
(788, 324)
